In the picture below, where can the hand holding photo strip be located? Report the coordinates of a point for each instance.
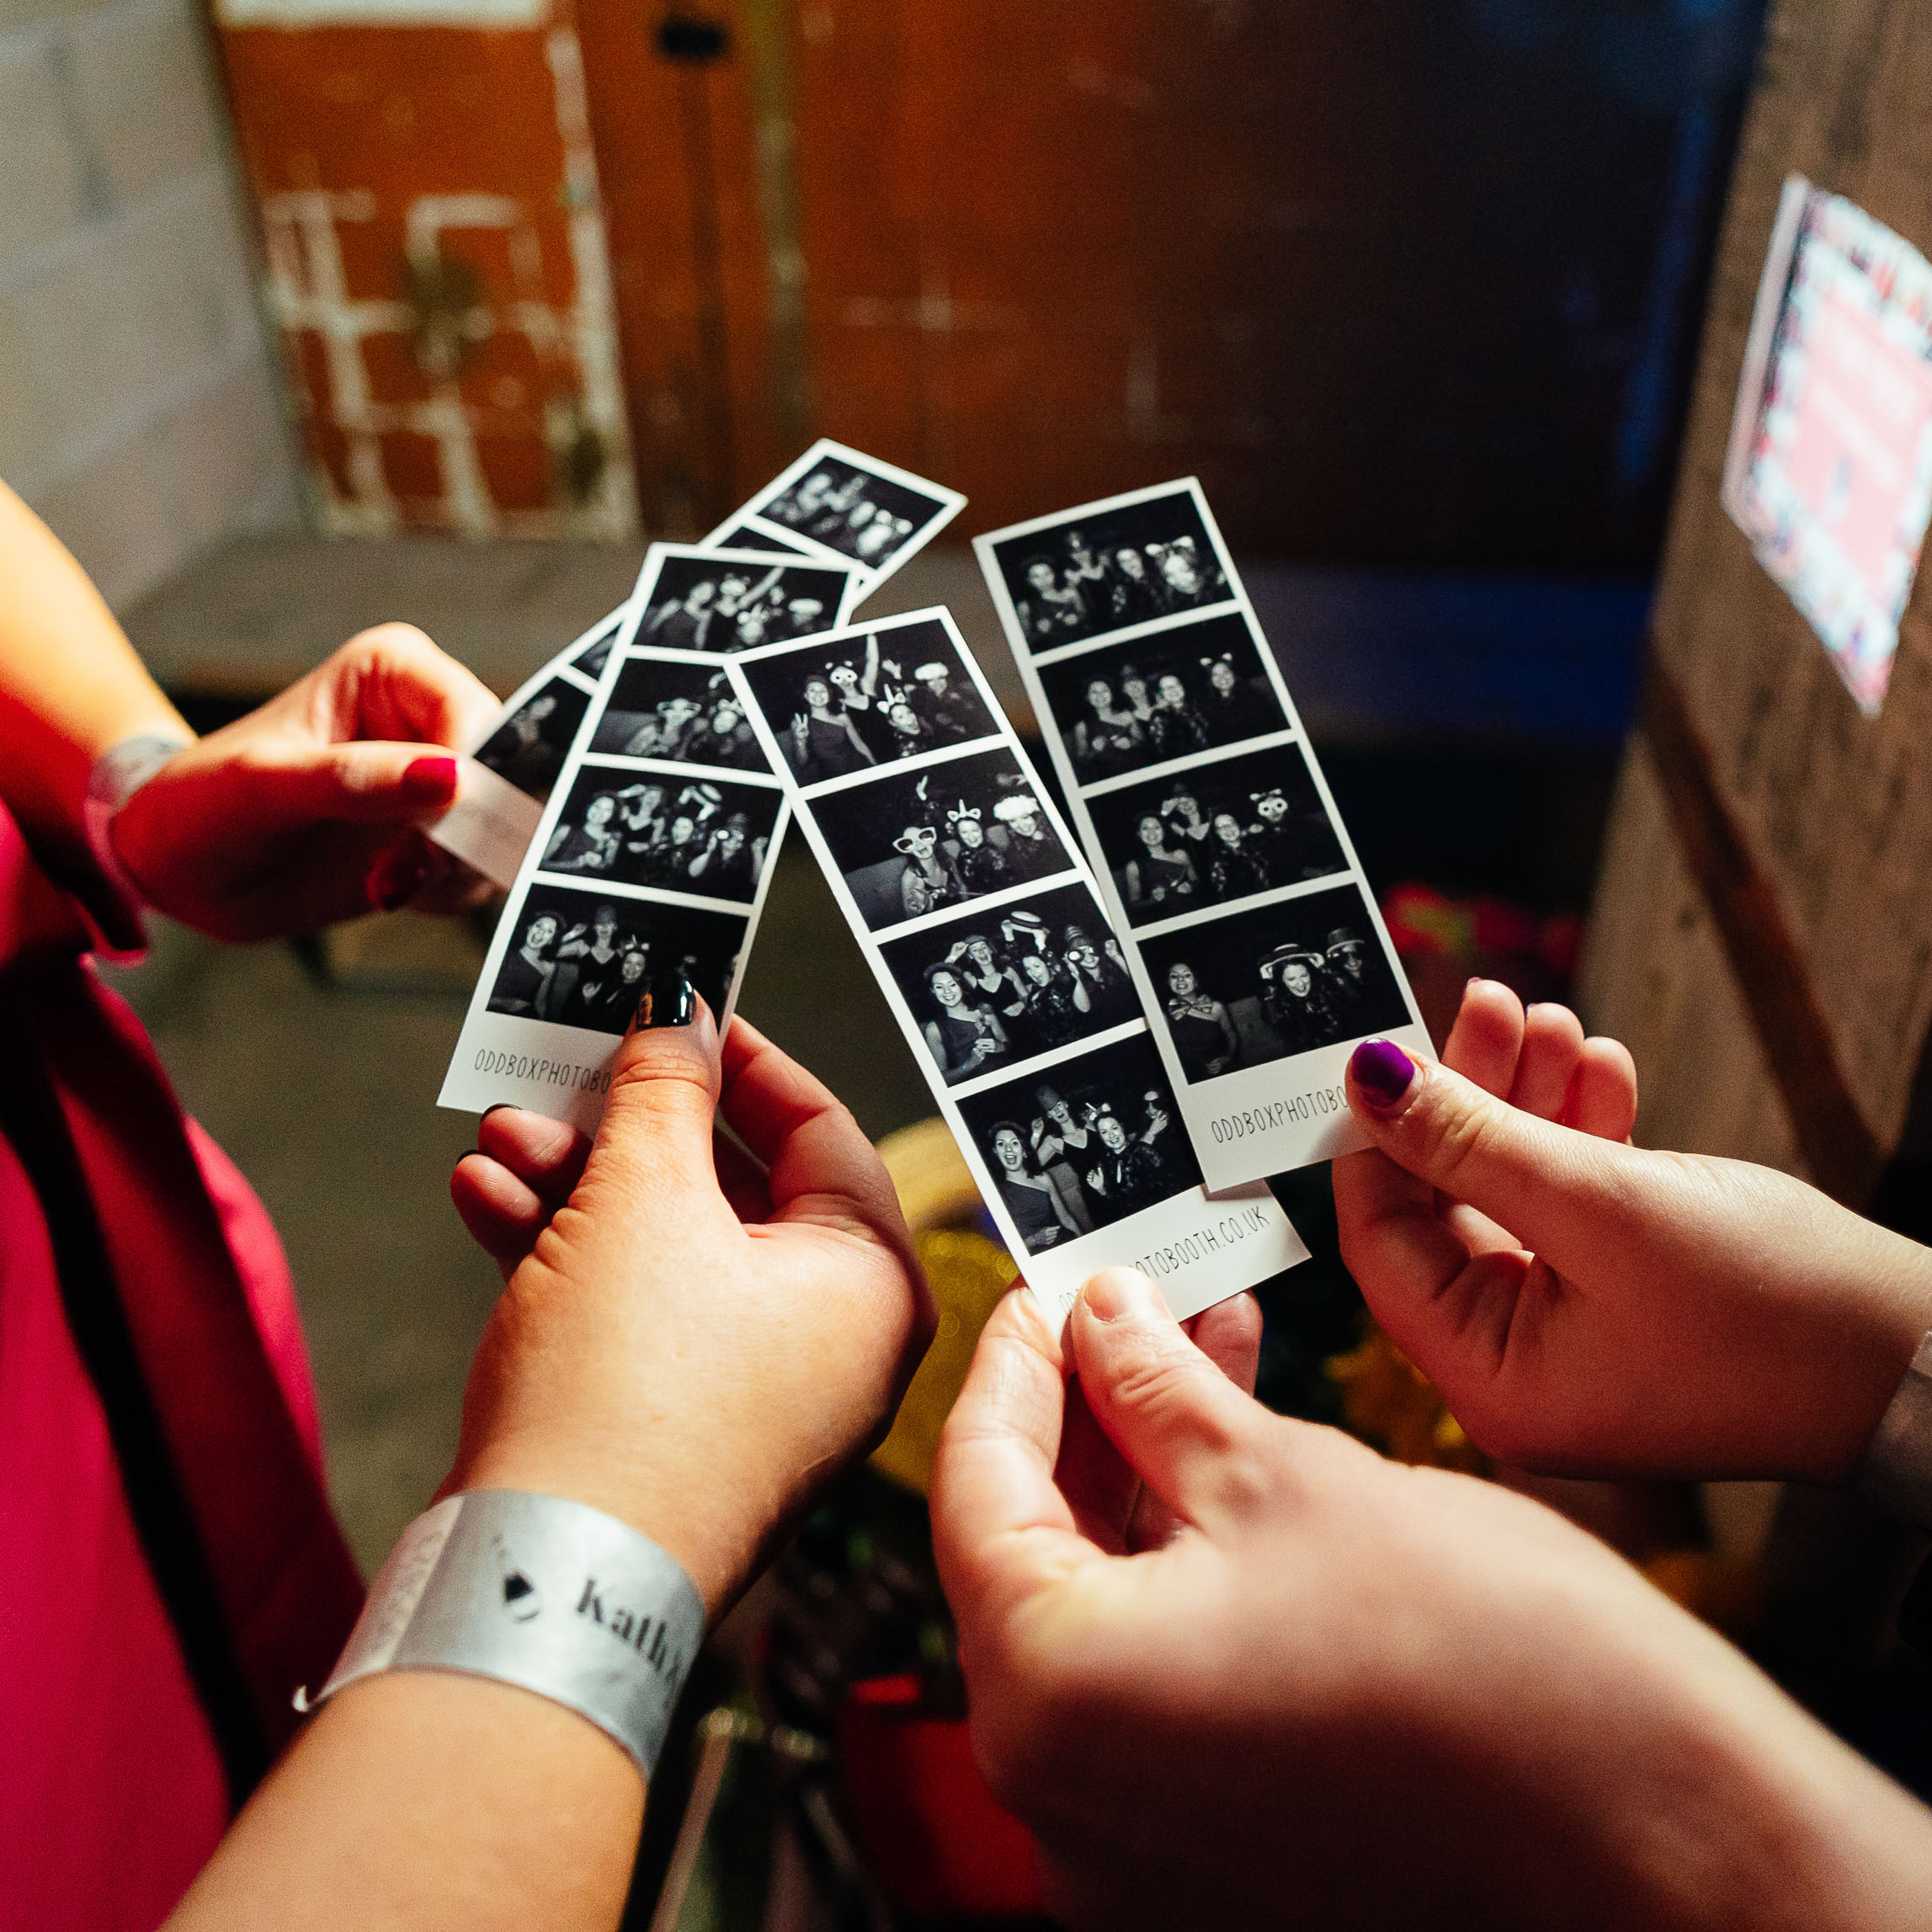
(979, 921)
(655, 848)
(1250, 931)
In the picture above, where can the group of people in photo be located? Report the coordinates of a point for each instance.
(1034, 983)
(649, 832)
(588, 972)
(708, 606)
(1077, 584)
(1083, 1155)
(868, 709)
(955, 856)
(704, 724)
(1308, 995)
(868, 518)
(1186, 855)
(1133, 715)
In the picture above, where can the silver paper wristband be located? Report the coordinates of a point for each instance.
(541, 1592)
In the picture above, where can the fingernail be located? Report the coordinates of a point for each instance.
(430, 781)
(667, 1002)
(498, 1108)
(1382, 1071)
(1115, 1293)
(393, 878)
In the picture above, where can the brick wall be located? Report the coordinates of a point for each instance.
(139, 409)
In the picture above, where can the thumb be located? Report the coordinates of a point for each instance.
(1169, 1409)
(364, 781)
(664, 1084)
(1555, 1188)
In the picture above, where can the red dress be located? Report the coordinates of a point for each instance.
(168, 1565)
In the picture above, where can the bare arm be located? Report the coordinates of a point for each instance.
(70, 685)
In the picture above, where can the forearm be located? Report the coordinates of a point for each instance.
(70, 685)
(419, 1799)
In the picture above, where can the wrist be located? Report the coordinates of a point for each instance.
(687, 1514)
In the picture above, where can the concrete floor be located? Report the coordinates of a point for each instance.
(325, 1097)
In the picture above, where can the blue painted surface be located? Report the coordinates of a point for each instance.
(1550, 661)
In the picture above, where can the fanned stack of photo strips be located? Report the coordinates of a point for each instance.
(1126, 1048)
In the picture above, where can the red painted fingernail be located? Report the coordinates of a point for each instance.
(393, 879)
(1382, 1071)
(430, 781)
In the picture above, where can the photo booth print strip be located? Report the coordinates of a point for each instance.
(495, 817)
(634, 896)
(1260, 1082)
(839, 503)
(1200, 1248)
(505, 773)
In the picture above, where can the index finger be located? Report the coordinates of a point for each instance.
(1001, 1527)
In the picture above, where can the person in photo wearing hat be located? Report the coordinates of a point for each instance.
(947, 711)
(1295, 997)
(1347, 963)
(1031, 851)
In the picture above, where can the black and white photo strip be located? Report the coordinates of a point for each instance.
(1225, 830)
(1082, 1146)
(678, 710)
(990, 991)
(840, 503)
(503, 783)
(579, 959)
(1110, 567)
(689, 598)
(682, 831)
(853, 705)
(982, 925)
(1203, 808)
(1156, 700)
(652, 856)
(944, 831)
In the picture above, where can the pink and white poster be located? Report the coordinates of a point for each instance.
(1829, 468)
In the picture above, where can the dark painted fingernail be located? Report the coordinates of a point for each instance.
(430, 781)
(1382, 1071)
(667, 1001)
(393, 878)
(465, 1154)
(498, 1108)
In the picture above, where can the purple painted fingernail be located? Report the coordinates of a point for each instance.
(1382, 1071)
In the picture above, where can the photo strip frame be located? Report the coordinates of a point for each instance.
(1255, 942)
(839, 504)
(656, 844)
(980, 918)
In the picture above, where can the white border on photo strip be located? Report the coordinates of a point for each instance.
(491, 823)
(1251, 1121)
(1200, 1248)
(563, 1072)
(950, 502)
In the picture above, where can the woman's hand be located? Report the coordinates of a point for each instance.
(1591, 1308)
(308, 810)
(1339, 1692)
(692, 1338)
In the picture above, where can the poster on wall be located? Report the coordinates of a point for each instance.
(1829, 471)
